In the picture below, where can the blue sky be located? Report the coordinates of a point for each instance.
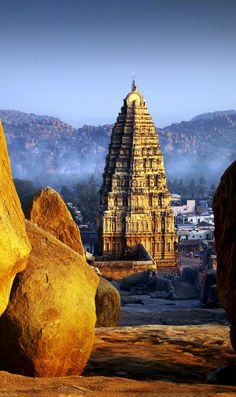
(73, 59)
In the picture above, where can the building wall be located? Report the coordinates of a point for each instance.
(187, 208)
(200, 234)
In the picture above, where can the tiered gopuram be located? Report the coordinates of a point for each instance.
(134, 198)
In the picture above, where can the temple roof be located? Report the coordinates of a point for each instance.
(135, 96)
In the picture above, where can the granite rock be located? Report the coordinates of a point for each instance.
(14, 243)
(48, 327)
(225, 236)
(107, 302)
(48, 210)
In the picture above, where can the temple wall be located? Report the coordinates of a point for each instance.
(116, 270)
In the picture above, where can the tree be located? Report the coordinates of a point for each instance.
(182, 188)
(202, 187)
(26, 190)
(192, 188)
(87, 192)
(69, 196)
(211, 194)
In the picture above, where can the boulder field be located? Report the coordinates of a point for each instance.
(47, 330)
(14, 243)
(48, 327)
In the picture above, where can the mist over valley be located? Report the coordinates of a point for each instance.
(47, 151)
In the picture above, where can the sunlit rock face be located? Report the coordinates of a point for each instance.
(14, 243)
(225, 236)
(50, 213)
(135, 201)
(107, 304)
(48, 327)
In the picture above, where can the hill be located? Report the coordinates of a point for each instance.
(49, 151)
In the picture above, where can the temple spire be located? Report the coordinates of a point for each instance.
(134, 198)
(134, 87)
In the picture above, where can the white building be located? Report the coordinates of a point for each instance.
(182, 209)
(175, 199)
(194, 219)
(198, 233)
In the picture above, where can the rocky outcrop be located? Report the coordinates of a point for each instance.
(145, 361)
(104, 386)
(183, 354)
(225, 236)
(50, 213)
(147, 282)
(48, 327)
(107, 304)
(14, 243)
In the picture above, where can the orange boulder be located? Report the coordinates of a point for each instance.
(48, 327)
(50, 213)
(14, 243)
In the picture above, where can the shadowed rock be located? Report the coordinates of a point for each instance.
(50, 213)
(225, 235)
(14, 243)
(146, 282)
(107, 304)
(157, 352)
(48, 327)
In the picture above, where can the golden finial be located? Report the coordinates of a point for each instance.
(133, 82)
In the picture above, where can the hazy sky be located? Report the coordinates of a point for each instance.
(73, 59)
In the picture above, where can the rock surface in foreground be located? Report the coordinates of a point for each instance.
(225, 236)
(48, 328)
(184, 354)
(49, 212)
(101, 386)
(14, 243)
(159, 352)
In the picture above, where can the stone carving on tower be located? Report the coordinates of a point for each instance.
(134, 198)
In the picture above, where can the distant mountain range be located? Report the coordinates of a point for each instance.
(47, 150)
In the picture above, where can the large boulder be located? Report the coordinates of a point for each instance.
(225, 235)
(143, 281)
(146, 282)
(14, 243)
(48, 327)
(107, 304)
(48, 210)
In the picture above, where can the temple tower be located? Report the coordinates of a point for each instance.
(134, 198)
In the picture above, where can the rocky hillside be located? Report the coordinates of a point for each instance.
(209, 131)
(46, 149)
